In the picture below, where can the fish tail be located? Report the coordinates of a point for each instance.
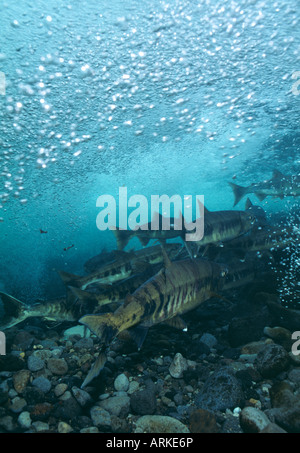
(95, 370)
(122, 237)
(238, 191)
(104, 326)
(14, 311)
(69, 279)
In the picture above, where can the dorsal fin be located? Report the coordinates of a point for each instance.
(202, 208)
(167, 261)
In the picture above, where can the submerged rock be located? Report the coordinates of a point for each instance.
(272, 360)
(160, 424)
(253, 420)
(221, 391)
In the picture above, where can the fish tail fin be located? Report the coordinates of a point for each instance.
(122, 237)
(14, 311)
(104, 326)
(68, 278)
(11, 305)
(95, 370)
(238, 192)
(81, 294)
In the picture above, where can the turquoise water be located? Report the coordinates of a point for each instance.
(160, 97)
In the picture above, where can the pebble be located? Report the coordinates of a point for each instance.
(203, 421)
(17, 405)
(178, 366)
(64, 427)
(40, 426)
(221, 391)
(24, 420)
(82, 397)
(161, 424)
(42, 383)
(35, 363)
(57, 366)
(60, 389)
(116, 405)
(253, 420)
(90, 430)
(20, 380)
(272, 360)
(100, 417)
(121, 383)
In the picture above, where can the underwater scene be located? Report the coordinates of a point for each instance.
(149, 218)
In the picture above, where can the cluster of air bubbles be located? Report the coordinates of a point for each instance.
(288, 273)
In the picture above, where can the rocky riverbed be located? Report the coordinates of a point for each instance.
(232, 372)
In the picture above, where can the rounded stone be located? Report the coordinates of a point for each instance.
(42, 383)
(57, 366)
(161, 424)
(121, 383)
(178, 366)
(272, 360)
(35, 363)
(20, 380)
(253, 420)
(100, 417)
(24, 420)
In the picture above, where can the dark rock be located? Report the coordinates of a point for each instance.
(67, 409)
(288, 418)
(281, 394)
(143, 402)
(33, 395)
(203, 421)
(272, 360)
(221, 391)
(57, 366)
(41, 412)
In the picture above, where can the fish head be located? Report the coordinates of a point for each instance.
(247, 220)
(219, 273)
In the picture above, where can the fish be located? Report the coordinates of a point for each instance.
(178, 287)
(222, 226)
(239, 274)
(145, 232)
(279, 186)
(258, 212)
(16, 311)
(110, 294)
(263, 238)
(123, 267)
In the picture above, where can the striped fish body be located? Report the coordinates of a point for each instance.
(174, 290)
(120, 269)
(264, 239)
(222, 226)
